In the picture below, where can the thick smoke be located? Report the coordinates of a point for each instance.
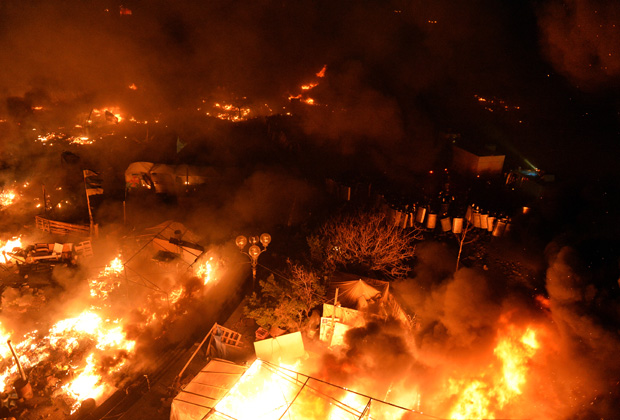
(580, 38)
(385, 62)
(583, 364)
(461, 316)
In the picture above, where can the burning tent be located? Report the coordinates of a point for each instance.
(208, 387)
(368, 295)
(356, 301)
(162, 251)
(223, 390)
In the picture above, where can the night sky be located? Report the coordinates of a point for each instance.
(399, 72)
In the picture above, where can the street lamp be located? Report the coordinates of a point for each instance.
(254, 250)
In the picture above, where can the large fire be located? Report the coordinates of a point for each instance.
(269, 391)
(86, 355)
(493, 390)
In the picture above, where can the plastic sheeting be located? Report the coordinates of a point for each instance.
(205, 390)
(270, 392)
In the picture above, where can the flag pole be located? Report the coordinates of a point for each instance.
(90, 212)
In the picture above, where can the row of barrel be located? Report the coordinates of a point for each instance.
(421, 216)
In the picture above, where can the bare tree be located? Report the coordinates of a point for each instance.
(367, 242)
(460, 237)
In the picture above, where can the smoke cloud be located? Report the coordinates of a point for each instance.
(462, 318)
(580, 39)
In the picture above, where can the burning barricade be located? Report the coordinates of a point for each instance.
(69, 348)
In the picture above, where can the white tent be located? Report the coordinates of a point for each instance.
(163, 177)
(136, 175)
(205, 390)
(369, 295)
(267, 391)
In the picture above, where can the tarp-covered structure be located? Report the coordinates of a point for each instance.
(166, 179)
(205, 390)
(267, 391)
(373, 297)
(164, 250)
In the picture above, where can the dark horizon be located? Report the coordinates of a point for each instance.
(398, 73)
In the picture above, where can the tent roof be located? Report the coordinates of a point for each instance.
(351, 291)
(138, 167)
(351, 288)
(177, 170)
(205, 390)
(270, 392)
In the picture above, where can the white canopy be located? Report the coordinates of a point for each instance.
(207, 388)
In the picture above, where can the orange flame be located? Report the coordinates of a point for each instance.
(205, 271)
(309, 86)
(484, 396)
(8, 247)
(7, 197)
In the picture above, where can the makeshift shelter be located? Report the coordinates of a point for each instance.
(205, 390)
(160, 251)
(137, 176)
(266, 391)
(370, 296)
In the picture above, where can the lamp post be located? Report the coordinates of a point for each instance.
(254, 250)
